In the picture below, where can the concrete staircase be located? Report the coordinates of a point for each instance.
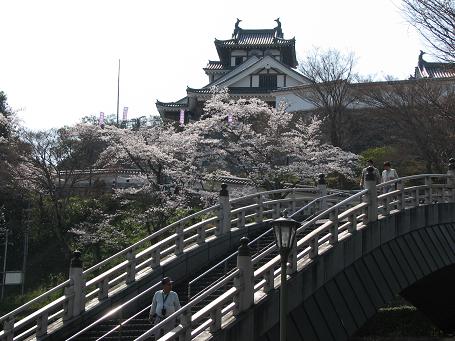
(207, 277)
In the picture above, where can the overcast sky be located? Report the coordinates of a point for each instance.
(59, 59)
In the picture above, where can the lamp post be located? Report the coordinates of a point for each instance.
(285, 230)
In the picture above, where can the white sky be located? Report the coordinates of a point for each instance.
(58, 59)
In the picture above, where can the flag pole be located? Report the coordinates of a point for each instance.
(118, 88)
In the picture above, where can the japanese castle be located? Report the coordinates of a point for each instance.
(253, 63)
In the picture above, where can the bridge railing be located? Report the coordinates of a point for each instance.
(97, 283)
(397, 196)
(333, 225)
(211, 316)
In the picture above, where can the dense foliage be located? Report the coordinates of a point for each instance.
(52, 197)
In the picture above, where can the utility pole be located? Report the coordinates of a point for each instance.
(27, 214)
(118, 88)
(3, 230)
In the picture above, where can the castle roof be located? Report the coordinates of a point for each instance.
(261, 39)
(255, 38)
(426, 69)
(214, 65)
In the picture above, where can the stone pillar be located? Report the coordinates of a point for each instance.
(322, 188)
(292, 258)
(8, 329)
(245, 281)
(224, 213)
(451, 180)
(77, 278)
(372, 195)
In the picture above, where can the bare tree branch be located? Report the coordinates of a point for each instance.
(435, 20)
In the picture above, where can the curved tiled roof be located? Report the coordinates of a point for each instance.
(232, 90)
(426, 69)
(439, 70)
(199, 91)
(171, 104)
(214, 65)
(255, 38)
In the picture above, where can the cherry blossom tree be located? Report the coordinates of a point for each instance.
(49, 165)
(168, 163)
(247, 137)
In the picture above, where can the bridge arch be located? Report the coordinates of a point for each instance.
(345, 286)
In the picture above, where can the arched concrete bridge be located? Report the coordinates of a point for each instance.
(362, 251)
(353, 263)
(411, 253)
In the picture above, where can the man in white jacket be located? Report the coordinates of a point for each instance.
(165, 302)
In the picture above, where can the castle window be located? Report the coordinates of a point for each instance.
(238, 60)
(267, 81)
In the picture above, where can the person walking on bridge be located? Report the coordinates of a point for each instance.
(165, 302)
(388, 174)
(364, 173)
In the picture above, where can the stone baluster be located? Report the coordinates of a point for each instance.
(322, 188)
(245, 281)
(292, 259)
(103, 289)
(293, 204)
(276, 210)
(200, 234)
(155, 257)
(179, 240)
(401, 196)
(428, 190)
(260, 209)
(334, 228)
(41, 324)
(185, 321)
(130, 267)
(68, 305)
(76, 276)
(215, 316)
(314, 247)
(241, 220)
(451, 180)
(372, 195)
(224, 214)
(8, 329)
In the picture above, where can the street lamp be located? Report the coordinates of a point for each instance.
(285, 230)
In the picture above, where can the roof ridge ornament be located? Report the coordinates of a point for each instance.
(278, 30)
(236, 28)
(421, 61)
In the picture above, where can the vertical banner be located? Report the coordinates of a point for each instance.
(182, 117)
(230, 118)
(101, 120)
(125, 113)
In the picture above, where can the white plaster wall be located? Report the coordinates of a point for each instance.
(236, 53)
(244, 82)
(292, 82)
(255, 53)
(272, 52)
(280, 81)
(295, 103)
(255, 83)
